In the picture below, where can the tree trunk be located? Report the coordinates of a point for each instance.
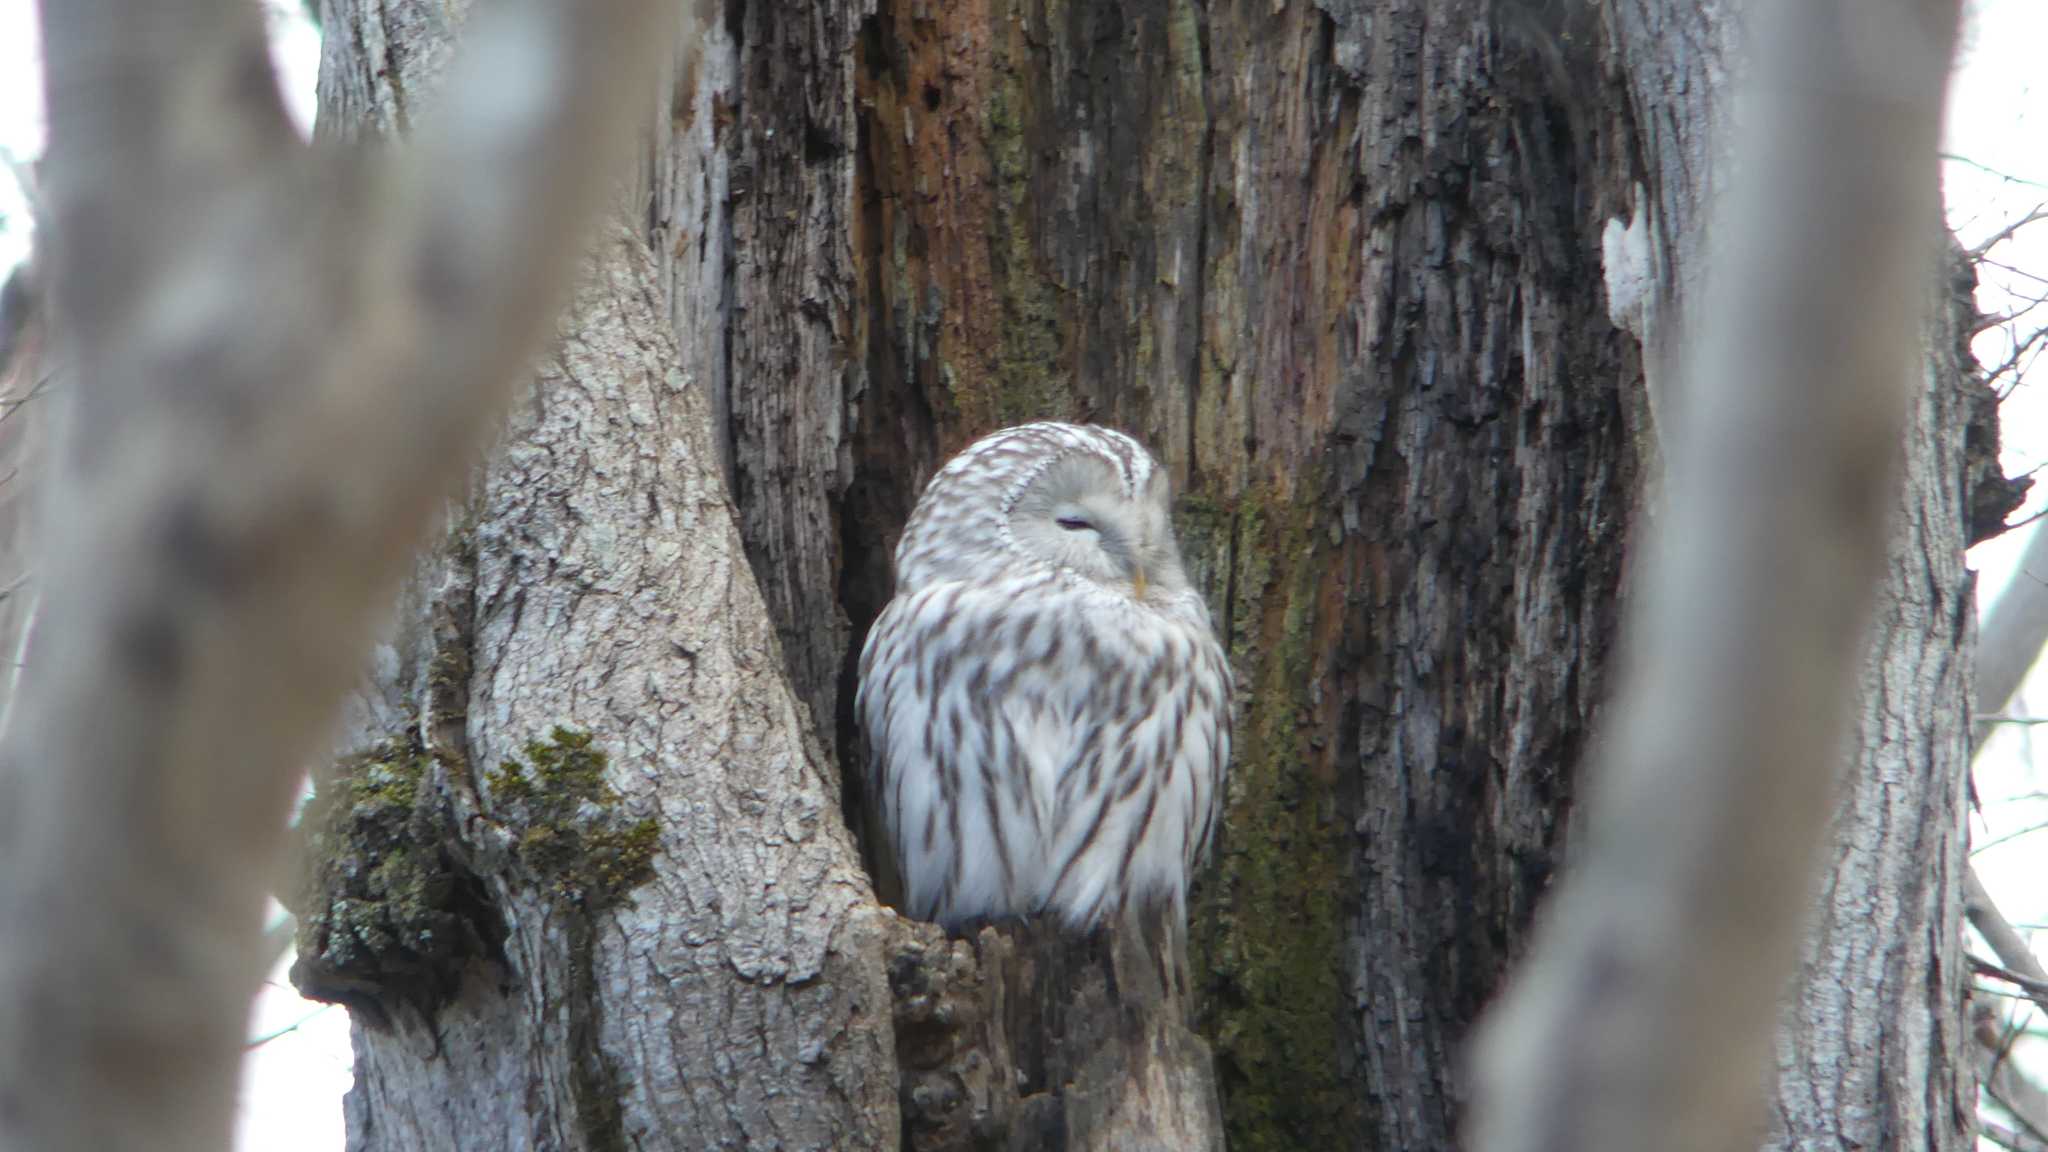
(1340, 264)
(1872, 1046)
(1874, 1049)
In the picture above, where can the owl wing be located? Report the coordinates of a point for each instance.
(964, 744)
(1138, 800)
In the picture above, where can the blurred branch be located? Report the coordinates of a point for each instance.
(272, 397)
(2011, 1138)
(2021, 1098)
(1644, 1015)
(2013, 632)
(2019, 964)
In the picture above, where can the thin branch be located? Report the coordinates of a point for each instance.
(256, 1042)
(2006, 838)
(2021, 1098)
(2020, 272)
(1953, 158)
(1988, 322)
(2038, 212)
(2005, 1137)
(2015, 955)
(2036, 990)
(2021, 348)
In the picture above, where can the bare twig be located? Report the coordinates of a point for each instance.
(2020, 272)
(1643, 1017)
(2038, 212)
(2024, 1100)
(1988, 170)
(2036, 990)
(2022, 348)
(2006, 943)
(2011, 1138)
(255, 1042)
(2007, 838)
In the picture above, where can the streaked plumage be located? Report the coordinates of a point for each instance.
(1046, 704)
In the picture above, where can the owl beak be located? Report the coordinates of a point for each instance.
(1138, 582)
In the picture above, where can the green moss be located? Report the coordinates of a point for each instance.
(1271, 928)
(570, 832)
(584, 853)
(386, 917)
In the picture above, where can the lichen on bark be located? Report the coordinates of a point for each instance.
(388, 913)
(565, 821)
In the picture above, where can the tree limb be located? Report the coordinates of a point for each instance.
(2019, 965)
(1643, 1018)
(285, 360)
(2012, 1091)
(2013, 632)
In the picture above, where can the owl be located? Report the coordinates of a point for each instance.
(1045, 702)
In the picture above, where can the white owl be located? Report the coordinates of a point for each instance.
(1046, 704)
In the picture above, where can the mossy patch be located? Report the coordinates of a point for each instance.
(569, 828)
(387, 916)
(1270, 929)
(583, 853)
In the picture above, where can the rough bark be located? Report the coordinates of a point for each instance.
(1875, 1046)
(555, 987)
(596, 585)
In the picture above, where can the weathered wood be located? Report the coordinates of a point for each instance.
(792, 319)
(1022, 1037)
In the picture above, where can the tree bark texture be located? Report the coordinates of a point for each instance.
(1329, 262)
(1339, 265)
(1875, 1047)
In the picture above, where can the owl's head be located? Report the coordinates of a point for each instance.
(1085, 514)
(1074, 498)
